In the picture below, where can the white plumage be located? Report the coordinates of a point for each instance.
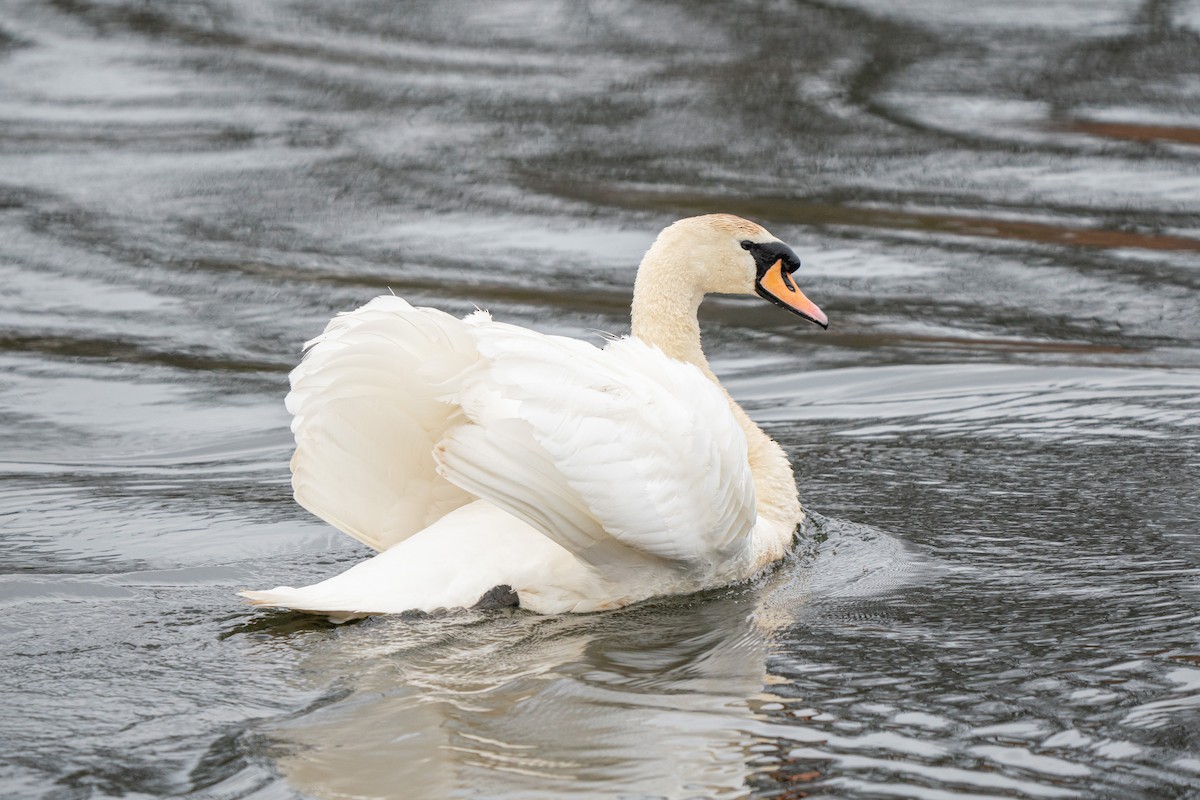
(475, 454)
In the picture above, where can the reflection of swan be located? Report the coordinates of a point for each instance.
(664, 699)
(479, 456)
(649, 702)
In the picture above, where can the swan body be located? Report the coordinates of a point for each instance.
(476, 455)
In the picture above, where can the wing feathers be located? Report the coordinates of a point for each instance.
(367, 416)
(489, 463)
(647, 446)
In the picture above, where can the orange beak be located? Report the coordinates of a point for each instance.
(776, 285)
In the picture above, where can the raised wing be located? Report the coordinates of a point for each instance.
(621, 455)
(367, 416)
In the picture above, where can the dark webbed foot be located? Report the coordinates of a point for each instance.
(501, 596)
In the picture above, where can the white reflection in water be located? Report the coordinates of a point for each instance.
(650, 699)
(658, 700)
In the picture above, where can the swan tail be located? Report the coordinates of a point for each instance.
(301, 600)
(411, 576)
(437, 569)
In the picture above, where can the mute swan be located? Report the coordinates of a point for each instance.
(490, 463)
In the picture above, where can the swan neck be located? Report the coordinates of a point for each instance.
(666, 301)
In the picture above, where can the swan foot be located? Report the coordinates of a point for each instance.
(502, 596)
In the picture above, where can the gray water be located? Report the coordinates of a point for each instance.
(999, 436)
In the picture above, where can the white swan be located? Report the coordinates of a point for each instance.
(492, 463)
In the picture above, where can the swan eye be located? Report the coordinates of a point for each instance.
(747, 244)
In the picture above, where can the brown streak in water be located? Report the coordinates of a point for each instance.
(1131, 131)
(130, 351)
(805, 212)
(1194, 659)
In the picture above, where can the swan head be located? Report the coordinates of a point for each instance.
(724, 254)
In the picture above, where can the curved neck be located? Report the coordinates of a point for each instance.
(665, 304)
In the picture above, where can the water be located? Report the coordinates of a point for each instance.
(999, 593)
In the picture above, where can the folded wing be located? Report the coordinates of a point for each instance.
(622, 455)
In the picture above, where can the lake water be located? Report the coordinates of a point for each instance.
(999, 436)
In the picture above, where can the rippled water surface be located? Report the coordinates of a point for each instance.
(998, 594)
